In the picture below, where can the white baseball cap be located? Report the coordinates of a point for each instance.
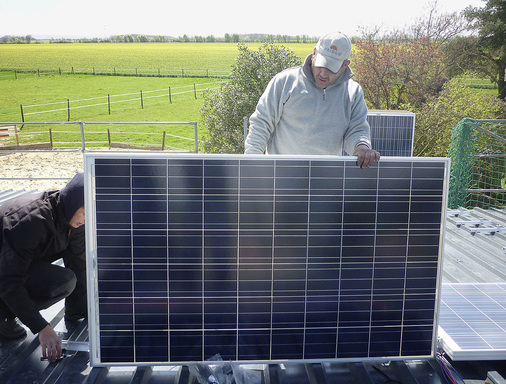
(332, 50)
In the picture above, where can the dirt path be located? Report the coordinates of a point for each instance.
(56, 167)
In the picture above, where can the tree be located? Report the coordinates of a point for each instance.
(439, 27)
(472, 61)
(490, 24)
(405, 67)
(436, 119)
(223, 111)
(395, 71)
(374, 63)
(160, 39)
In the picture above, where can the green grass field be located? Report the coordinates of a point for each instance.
(120, 56)
(44, 99)
(43, 92)
(47, 96)
(38, 95)
(217, 57)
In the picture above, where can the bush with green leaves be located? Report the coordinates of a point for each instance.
(223, 111)
(436, 119)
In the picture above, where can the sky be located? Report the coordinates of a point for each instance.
(105, 18)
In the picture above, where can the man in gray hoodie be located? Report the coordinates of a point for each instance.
(314, 109)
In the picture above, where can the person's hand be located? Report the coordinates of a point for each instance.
(50, 343)
(366, 156)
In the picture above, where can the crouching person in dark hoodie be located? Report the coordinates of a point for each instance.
(36, 230)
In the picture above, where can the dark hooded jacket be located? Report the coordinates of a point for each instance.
(35, 228)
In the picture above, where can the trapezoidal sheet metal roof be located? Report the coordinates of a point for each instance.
(470, 255)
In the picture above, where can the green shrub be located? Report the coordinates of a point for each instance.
(223, 111)
(436, 119)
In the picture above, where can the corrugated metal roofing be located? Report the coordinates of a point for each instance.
(475, 246)
(10, 194)
(475, 243)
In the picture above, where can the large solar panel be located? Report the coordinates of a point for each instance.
(473, 321)
(392, 132)
(262, 258)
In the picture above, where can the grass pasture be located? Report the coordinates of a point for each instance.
(46, 95)
(217, 58)
(44, 99)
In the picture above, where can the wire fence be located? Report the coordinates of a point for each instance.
(113, 71)
(162, 136)
(478, 174)
(109, 100)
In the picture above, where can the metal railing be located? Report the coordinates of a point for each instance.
(82, 134)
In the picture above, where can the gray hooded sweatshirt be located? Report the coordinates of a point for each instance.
(296, 117)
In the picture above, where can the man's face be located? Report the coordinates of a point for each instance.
(78, 218)
(324, 77)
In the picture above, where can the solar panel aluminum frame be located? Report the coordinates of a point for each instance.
(96, 356)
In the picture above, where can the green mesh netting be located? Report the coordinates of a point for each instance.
(478, 170)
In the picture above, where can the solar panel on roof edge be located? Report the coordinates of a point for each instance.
(272, 242)
(472, 322)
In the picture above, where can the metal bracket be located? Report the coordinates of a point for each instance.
(78, 346)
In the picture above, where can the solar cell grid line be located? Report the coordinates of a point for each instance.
(262, 258)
